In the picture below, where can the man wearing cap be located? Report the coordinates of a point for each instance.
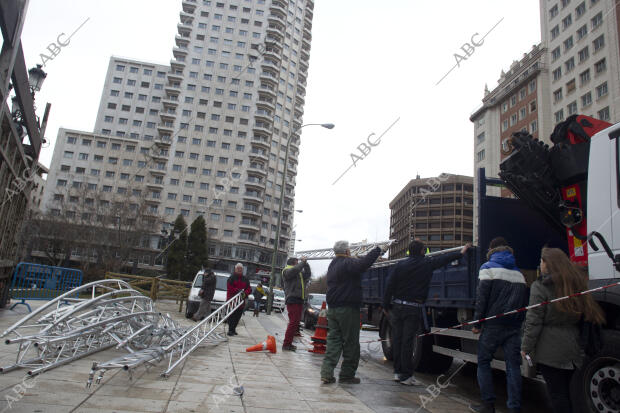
(296, 276)
(344, 299)
(405, 294)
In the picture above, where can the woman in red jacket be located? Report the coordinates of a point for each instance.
(236, 282)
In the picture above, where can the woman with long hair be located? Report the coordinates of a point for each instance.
(551, 334)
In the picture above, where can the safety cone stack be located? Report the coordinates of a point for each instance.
(269, 344)
(319, 339)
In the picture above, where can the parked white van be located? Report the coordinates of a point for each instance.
(219, 298)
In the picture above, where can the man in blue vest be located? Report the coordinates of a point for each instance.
(295, 276)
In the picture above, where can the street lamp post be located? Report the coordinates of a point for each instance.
(277, 243)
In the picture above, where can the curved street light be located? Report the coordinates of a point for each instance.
(277, 243)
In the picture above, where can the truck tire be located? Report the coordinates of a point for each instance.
(385, 333)
(595, 387)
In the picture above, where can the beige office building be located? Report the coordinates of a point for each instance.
(436, 210)
(207, 134)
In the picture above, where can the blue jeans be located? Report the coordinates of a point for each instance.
(509, 338)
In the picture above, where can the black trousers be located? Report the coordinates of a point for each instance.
(558, 387)
(234, 318)
(405, 321)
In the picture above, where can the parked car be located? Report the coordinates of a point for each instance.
(312, 307)
(219, 298)
(278, 300)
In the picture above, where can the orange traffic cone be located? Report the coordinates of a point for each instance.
(319, 339)
(269, 344)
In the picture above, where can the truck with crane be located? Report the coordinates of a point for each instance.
(567, 196)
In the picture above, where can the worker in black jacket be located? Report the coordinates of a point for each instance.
(344, 299)
(405, 294)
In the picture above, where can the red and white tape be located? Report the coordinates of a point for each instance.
(520, 310)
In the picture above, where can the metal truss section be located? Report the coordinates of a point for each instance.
(184, 345)
(356, 250)
(105, 314)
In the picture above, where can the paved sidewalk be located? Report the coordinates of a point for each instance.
(281, 382)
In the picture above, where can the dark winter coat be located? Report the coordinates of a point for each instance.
(236, 283)
(258, 294)
(208, 286)
(551, 336)
(410, 279)
(344, 279)
(501, 288)
(295, 280)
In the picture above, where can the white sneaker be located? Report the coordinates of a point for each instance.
(396, 377)
(411, 381)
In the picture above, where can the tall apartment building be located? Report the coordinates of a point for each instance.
(581, 37)
(438, 211)
(519, 102)
(212, 127)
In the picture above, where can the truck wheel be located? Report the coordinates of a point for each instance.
(188, 314)
(596, 385)
(385, 333)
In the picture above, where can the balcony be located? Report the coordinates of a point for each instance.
(266, 91)
(250, 225)
(171, 101)
(253, 196)
(259, 171)
(265, 103)
(263, 127)
(254, 183)
(182, 40)
(184, 28)
(173, 89)
(268, 63)
(166, 127)
(155, 185)
(163, 141)
(265, 116)
(177, 65)
(273, 53)
(168, 115)
(175, 77)
(275, 29)
(189, 6)
(276, 5)
(247, 211)
(261, 142)
(277, 18)
(259, 155)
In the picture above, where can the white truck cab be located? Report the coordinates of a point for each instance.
(604, 200)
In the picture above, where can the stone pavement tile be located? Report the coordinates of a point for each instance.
(33, 396)
(124, 403)
(274, 403)
(101, 410)
(185, 395)
(23, 407)
(194, 407)
(271, 410)
(328, 407)
(134, 392)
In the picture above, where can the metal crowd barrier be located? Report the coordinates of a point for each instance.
(42, 282)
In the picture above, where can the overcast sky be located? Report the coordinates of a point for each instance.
(372, 62)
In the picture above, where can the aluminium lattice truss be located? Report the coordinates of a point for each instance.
(175, 350)
(356, 250)
(101, 315)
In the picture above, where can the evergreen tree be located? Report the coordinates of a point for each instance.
(197, 252)
(176, 264)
